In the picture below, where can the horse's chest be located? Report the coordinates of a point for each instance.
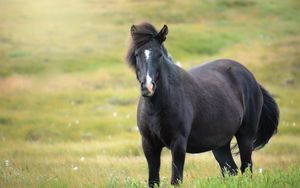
(161, 129)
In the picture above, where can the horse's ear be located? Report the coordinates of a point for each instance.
(133, 29)
(162, 35)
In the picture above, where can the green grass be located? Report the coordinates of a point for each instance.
(106, 164)
(68, 100)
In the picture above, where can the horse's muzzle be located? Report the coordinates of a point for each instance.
(147, 90)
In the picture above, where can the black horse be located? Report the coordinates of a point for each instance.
(198, 110)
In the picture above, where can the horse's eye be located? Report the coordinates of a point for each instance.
(136, 54)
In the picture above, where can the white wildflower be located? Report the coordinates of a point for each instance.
(115, 114)
(6, 162)
(260, 170)
(82, 158)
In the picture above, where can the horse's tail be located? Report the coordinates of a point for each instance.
(268, 122)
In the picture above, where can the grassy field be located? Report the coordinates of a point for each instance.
(68, 99)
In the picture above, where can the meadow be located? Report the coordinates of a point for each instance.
(68, 99)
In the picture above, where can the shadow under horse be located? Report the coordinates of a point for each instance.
(197, 110)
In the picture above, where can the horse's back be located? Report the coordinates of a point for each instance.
(224, 73)
(220, 65)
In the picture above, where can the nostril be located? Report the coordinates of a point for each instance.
(143, 85)
(154, 85)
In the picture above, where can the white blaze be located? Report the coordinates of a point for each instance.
(147, 54)
(148, 79)
(149, 84)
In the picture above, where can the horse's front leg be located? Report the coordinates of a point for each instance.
(152, 153)
(178, 149)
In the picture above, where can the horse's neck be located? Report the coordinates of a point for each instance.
(170, 75)
(170, 80)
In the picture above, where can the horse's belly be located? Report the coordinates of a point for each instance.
(203, 145)
(197, 149)
(212, 136)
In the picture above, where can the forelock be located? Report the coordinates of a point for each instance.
(142, 34)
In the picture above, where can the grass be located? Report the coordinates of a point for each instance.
(106, 164)
(68, 100)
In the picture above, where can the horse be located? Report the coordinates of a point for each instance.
(197, 110)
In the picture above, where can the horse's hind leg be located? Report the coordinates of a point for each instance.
(245, 146)
(224, 157)
(245, 138)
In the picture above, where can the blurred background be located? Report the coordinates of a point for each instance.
(68, 99)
